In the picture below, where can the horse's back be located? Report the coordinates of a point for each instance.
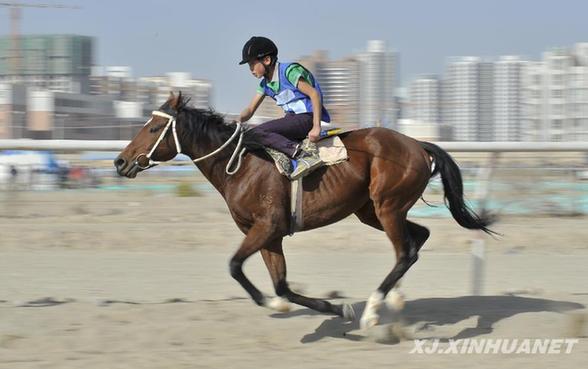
(386, 144)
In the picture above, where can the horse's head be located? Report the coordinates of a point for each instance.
(156, 141)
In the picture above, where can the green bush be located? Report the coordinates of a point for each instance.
(185, 189)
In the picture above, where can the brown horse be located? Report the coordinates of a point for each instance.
(385, 175)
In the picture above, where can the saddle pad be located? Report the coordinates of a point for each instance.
(332, 150)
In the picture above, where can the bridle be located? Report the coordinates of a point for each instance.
(171, 122)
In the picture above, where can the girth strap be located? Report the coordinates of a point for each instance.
(296, 220)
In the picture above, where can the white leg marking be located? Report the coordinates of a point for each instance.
(370, 316)
(395, 300)
(278, 304)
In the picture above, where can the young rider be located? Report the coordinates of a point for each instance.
(297, 92)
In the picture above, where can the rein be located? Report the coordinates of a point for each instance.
(171, 122)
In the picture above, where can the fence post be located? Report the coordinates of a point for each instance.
(478, 250)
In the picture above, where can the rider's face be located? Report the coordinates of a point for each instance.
(259, 67)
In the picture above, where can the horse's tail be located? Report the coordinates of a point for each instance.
(453, 188)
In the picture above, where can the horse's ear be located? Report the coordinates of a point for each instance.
(180, 102)
(175, 102)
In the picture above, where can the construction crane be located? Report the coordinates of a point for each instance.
(15, 10)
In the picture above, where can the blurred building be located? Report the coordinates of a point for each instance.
(532, 103)
(516, 100)
(50, 89)
(60, 63)
(378, 81)
(507, 99)
(118, 82)
(60, 115)
(424, 100)
(12, 110)
(32, 112)
(468, 99)
(154, 91)
(115, 81)
(339, 80)
(555, 96)
(340, 84)
(487, 124)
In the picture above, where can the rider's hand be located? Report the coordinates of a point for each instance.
(314, 134)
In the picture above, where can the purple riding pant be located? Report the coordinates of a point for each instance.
(284, 134)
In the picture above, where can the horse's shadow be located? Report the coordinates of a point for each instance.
(440, 311)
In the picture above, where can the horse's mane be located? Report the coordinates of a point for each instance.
(200, 123)
(206, 124)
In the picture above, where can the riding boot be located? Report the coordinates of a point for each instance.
(307, 160)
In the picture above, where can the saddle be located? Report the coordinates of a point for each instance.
(330, 148)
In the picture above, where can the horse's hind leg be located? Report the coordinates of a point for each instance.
(273, 256)
(407, 238)
(418, 233)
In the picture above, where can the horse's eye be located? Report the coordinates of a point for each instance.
(154, 129)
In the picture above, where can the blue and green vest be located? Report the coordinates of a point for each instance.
(289, 97)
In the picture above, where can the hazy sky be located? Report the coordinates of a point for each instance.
(206, 37)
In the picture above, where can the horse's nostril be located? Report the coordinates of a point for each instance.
(120, 163)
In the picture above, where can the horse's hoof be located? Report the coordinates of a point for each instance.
(279, 304)
(370, 316)
(387, 334)
(395, 300)
(367, 322)
(348, 312)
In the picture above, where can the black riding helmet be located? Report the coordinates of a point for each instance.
(259, 47)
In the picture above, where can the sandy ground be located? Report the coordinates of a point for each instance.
(94, 279)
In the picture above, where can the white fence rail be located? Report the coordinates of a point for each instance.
(86, 145)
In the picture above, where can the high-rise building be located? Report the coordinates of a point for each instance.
(532, 103)
(461, 97)
(578, 94)
(486, 102)
(507, 98)
(339, 80)
(378, 74)
(555, 96)
(469, 99)
(424, 96)
(60, 63)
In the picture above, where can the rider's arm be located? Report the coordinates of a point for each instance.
(248, 112)
(315, 99)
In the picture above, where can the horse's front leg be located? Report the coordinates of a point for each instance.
(259, 236)
(273, 256)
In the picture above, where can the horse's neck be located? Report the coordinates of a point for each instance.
(212, 168)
